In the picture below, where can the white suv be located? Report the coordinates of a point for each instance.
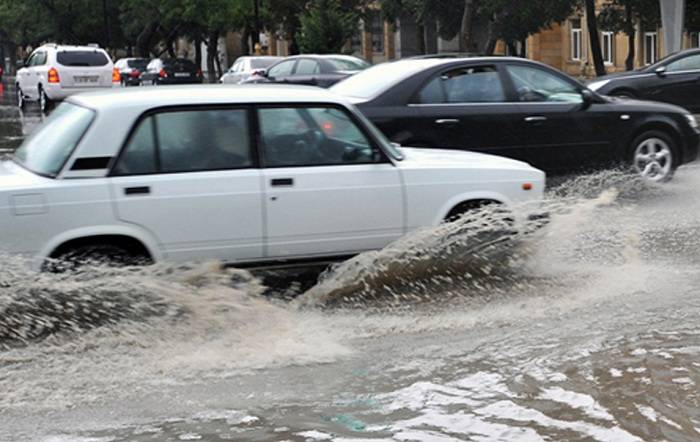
(53, 72)
(243, 174)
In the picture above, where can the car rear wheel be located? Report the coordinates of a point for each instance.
(45, 103)
(20, 98)
(654, 156)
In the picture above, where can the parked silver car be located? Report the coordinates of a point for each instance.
(244, 67)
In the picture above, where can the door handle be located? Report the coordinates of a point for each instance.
(143, 190)
(447, 121)
(282, 182)
(535, 119)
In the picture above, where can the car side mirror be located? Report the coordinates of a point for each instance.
(660, 71)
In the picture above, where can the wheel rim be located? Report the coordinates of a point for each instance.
(653, 159)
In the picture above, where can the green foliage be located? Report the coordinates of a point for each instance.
(623, 15)
(326, 27)
(515, 20)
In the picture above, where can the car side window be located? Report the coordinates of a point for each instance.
(432, 92)
(307, 67)
(689, 63)
(284, 68)
(313, 136)
(188, 141)
(537, 85)
(480, 84)
(40, 59)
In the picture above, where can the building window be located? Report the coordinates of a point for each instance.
(694, 40)
(608, 47)
(377, 32)
(576, 39)
(650, 55)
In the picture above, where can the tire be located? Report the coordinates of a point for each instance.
(21, 102)
(45, 103)
(654, 156)
(106, 254)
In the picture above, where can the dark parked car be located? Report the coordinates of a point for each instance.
(130, 70)
(521, 109)
(171, 71)
(317, 70)
(675, 79)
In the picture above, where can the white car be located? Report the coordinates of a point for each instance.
(53, 72)
(244, 67)
(242, 174)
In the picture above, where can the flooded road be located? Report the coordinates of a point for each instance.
(588, 329)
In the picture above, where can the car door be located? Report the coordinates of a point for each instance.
(329, 190)
(680, 83)
(189, 177)
(29, 76)
(557, 128)
(466, 107)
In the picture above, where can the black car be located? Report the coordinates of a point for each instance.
(675, 80)
(520, 109)
(317, 70)
(130, 70)
(171, 71)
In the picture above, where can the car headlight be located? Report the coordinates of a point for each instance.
(691, 120)
(598, 84)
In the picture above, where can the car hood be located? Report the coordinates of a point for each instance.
(13, 176)
(444, 157)
(634, 105)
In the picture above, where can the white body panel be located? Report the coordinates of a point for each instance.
(237, 215)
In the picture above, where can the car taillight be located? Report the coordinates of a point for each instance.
(134, 73)
(162, 74)
(53, 76)
(116, 78)
(200, 73)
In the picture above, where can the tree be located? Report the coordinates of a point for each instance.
(623, 16)
(591, 20)
(326, 27)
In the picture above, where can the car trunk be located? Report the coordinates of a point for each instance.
(84, 69)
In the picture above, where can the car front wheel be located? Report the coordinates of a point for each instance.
(20, 98)
(654, 156)
(96, 255)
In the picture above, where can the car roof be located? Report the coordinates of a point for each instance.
(71, 47)
(216, 94)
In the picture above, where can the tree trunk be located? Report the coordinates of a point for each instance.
(523, 48)
(421, 34)
(595, 39)
(491, 40)
(198, 52)
(512, 48)
(212, 53)
(467, 43)
(631, 37)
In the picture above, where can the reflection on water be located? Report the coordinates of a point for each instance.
(15, 124)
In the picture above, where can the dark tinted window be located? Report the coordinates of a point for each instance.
(188, 141)
(180, 64)
(313, 136)
(432, 92)
(82, 58)
(535, 84)
(138, 64)
(480, 84)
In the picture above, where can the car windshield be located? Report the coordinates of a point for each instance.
(82, 58)
(370, 82)
(139, 63)
(348, 64)
(263, 63)
(48, 148)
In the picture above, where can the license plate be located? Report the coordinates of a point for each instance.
(182, 74)
(86, 78)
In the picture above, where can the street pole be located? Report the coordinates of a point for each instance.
(672, 18)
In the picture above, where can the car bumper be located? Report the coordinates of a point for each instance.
(57, 92)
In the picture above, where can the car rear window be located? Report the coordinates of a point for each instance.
(82, 58)
(138, 64)
(179, 63)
